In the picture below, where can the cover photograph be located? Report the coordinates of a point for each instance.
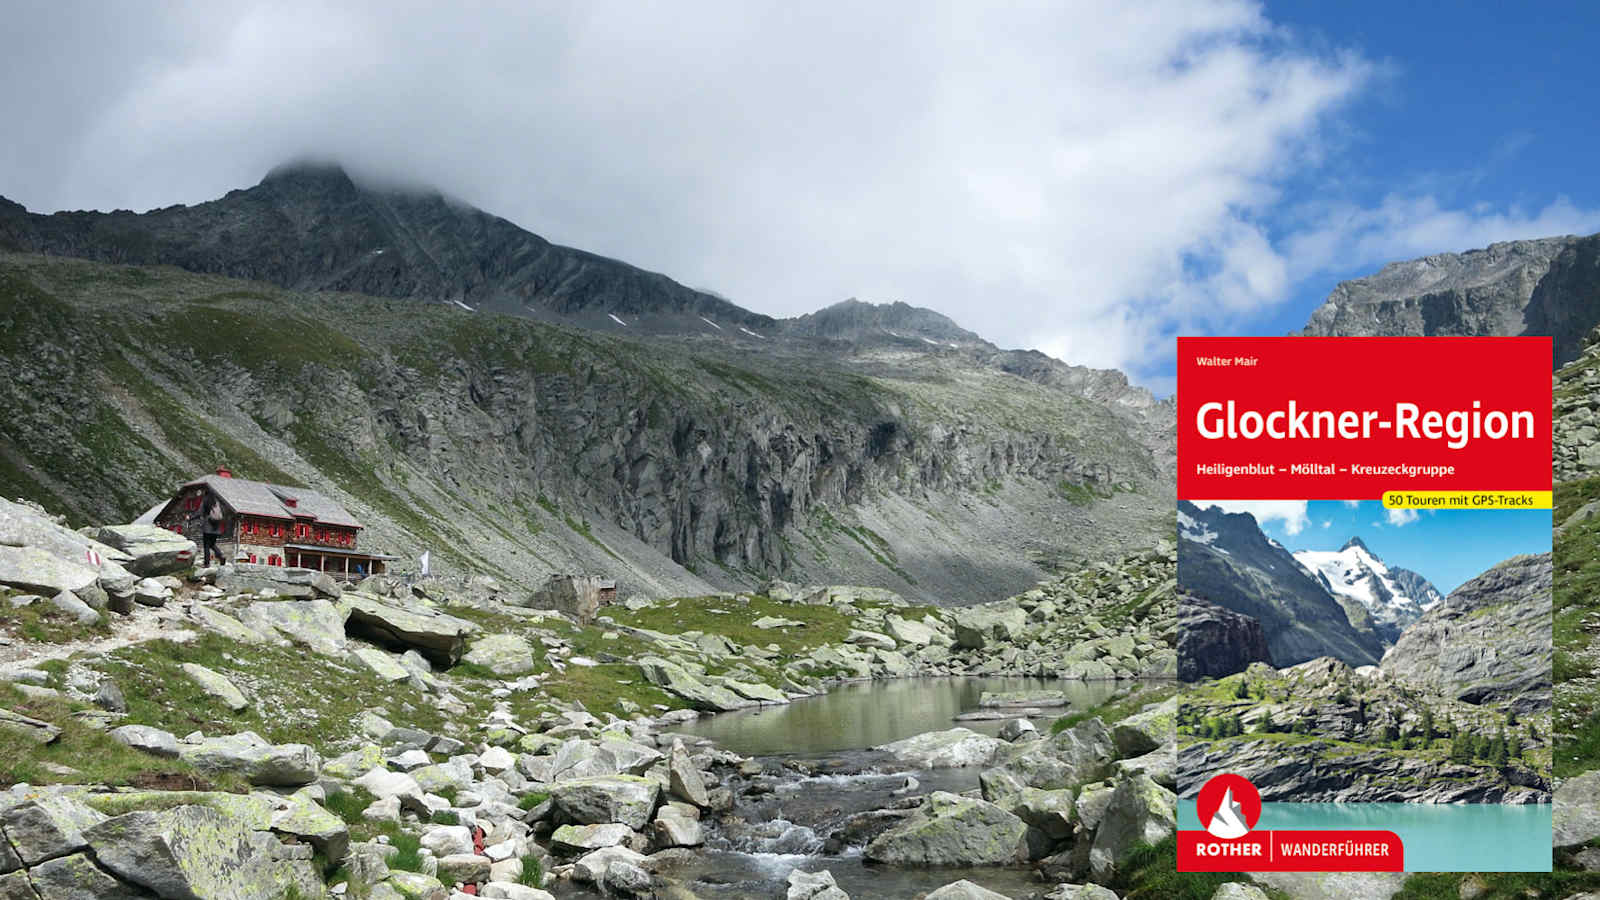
(1364, 578)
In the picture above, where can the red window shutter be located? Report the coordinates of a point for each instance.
(252, 557)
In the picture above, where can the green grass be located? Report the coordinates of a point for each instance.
(1577, 582)
(349, 803)
(824, 624)
(532, 873)
(42, 622)
(285, 341)
(1119, 708)
(97, 758)
(296, 696)
(529, 801)
(601, 688)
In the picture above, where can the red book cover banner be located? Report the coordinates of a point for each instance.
(1364, 604)
(1342, 418)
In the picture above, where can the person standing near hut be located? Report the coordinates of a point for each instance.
(212, 520)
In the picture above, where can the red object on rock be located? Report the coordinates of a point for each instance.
(477, 839)
(469, 889)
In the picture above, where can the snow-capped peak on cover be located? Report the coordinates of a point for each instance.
(1392, 595)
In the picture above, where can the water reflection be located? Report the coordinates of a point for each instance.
(856, 716)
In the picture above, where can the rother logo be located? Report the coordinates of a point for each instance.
(1228, 806)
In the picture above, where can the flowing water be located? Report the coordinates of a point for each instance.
(819, 771)
(1438, 837)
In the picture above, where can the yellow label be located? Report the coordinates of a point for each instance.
(1468, 499)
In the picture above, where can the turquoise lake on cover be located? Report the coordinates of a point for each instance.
(1438, 837)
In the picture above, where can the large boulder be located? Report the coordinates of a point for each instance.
(302, 818)
(439, 637)
(575, 596)
(25, 527)
(964, 890)
(1146, 731)
(675, 679)
(47, 828)
(814, 886)
(1575, 816)
(951, 830)
(35, 730)
(151, 740)
(188, 853)
(683, 777)
(261, 763)
(907, 633)
(217, 685)
(953, 748)
(628, 799)
(285, 581)
(35, 571)
(1140, 811)
(76, 877)
(315, 623)
(506, 655)
(990, 625)
(152, 550)
(580, 839)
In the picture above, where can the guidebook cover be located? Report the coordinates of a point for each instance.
(1364, 576)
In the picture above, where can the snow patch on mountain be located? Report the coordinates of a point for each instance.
(1394, 596)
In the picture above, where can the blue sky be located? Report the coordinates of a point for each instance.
(1482, 112)
(1447, 547)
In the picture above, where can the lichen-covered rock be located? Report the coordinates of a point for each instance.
(1052, 812)
(953, 748)
(188, 853)
(36, 730)
(987, 625)
(379, 663)
(153, 741)
(285, 581)
(261, 763)
(627, 799)
(48, 827)
(1575, 811)
(152, 550)
(227, 626)
(584, 838)
(301, 817)
(951, 830)
(683, 777)
(14, 885)
(216, 685)
(591, 868)
(814, 886)
(1140, 811)
(33, 570)
(463, 868)
(506, 655)
(1147, 730)
(675, 828)
(76, 877)
(439, 637)
(315, 623)
(964, 890)
(417, 886)
(673, 678)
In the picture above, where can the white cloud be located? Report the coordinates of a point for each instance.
(1081, 177)
(1327, 523)
(1401, 517)
(1291, 514)
(1352, 504)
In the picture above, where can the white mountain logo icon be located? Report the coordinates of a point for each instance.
(1228, 822)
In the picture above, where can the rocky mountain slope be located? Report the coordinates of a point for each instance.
(312, 227)
(1394, 597)
(1321, 731)
(1214, 641)
(1488, 642)
(517, 448)
(1548, 287)
(1226, 559)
